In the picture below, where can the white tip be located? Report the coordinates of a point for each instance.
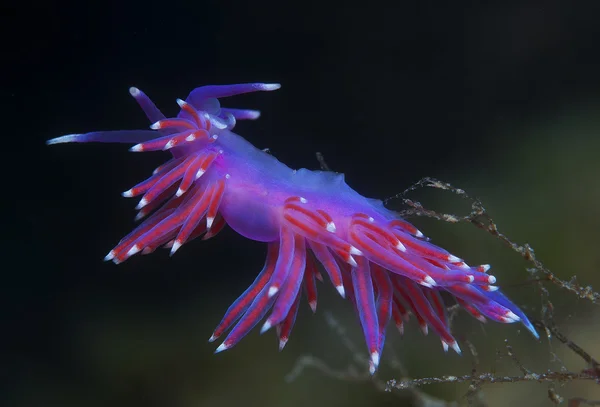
(303, 200)
(340, 289)
(137, 148)
(209, 221)
(453, 259)
(418, 233)
(282, 343)
(169, 145)
(485, 267)
(267, 325)
(155, 126)
(221, 348)
(430, 281)
(492, 288)
(400, 327)
(445, 346)
(133, 91)
(513, 316)
(400, 246)
(128, 193)
(218, 123)
(313, 306)
(464, 266)
(109, 256)
(271, 86)
(371, 220)
(354, 251)
(143, 202)
(139, 215)
(424, 329)
(375, 359)
(273, 290)
(180, 102)
(63, 139)
(176, 245)
(352, 262)
(456, 348)
(214, 136)
(212, 338)
(191, 137)
(481, 318)
(331, 227)
(179, 192)
(199, 173)
(133, 250)
(491, 279)
(471, 278)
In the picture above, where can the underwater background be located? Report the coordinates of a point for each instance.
(500, 99)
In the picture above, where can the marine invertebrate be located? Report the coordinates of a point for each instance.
(380, 262)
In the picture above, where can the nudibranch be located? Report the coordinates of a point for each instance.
(311, 221)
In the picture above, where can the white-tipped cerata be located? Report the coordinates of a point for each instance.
(352, 262)
(430, 281)
(221, 348)
(267, 325)
(374, 363)
(355, 252)
(400, 246)
(273, 290)
(513, 316)
(453, 259)
(212, 338)
(491, 279)
(176, 245)
(133, 250)
(127, 194)
(340, 289)
(270, 86)
(110, 256)
(331, 227)
(143, 202)
(69, 138)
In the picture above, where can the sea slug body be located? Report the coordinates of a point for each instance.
(310, 220)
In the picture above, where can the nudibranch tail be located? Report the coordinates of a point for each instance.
(384, 265)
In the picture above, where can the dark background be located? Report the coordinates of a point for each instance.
(499, 98)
